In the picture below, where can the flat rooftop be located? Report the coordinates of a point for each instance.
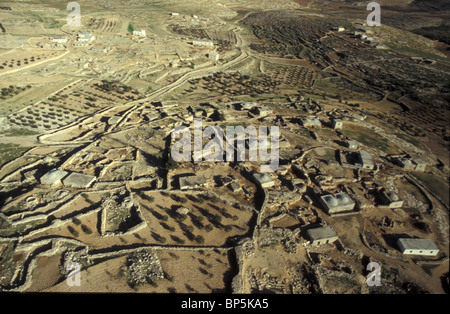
(418, 244)
(321, 233)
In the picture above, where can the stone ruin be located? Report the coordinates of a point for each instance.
(143, 267)
(299, 279)
(120, 214)
(272, 236)
(71, 256)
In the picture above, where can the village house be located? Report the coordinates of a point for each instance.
(203, 43)
(337, 203)
(248, 105)
(54, 176)
(263, 111)
(263, 180)
(192, 182)
(311, 122)
(351, 144)
(141, 33)
(79, 180)
(59, 39)
(365, 160)
(424, 247)
(213, 56)
(321, 235)
(391, 199)
(337, 124)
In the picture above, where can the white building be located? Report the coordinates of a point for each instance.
(311, 122)
(248, 105)
(141, 33)
(85, 37)
(365, 160)
(263, 180)
(54, 176)
(337, 124)
(203, 43)
(321, 235)
(351, 144)
(59, 39)
(263, 111)
(425, 247)
(405, 163)
(391, 199)
(339, 202)
(410, 164)
(419, 164)
(79, 180)
(213, 56)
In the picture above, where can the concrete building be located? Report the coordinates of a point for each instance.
(419, 165)
(114, 120)
(248, 105)
(311, 122)
(85, 37)
(192, 182)
(203, 43)
(424, 247)
(54, 176)
(410, 164)
(263, 111)
(352, 144)
(79, 180)
(321, 235)
(141, 33)
(339, 202)
(405, 163)
(263, 180)
(391, 199)
(337, 123)
(234, 187)
(59, 39)
(365, 160)
(213, 56)
(152, 116)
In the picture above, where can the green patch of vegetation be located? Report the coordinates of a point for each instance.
(130, 28)
(171, 164)
(372, 140)
(19, 132)
(19, 229)
(403, 49)
(10, 152)
(435, 184)
(410, 139)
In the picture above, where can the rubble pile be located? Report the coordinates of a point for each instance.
(143, 267)
(270, 236)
